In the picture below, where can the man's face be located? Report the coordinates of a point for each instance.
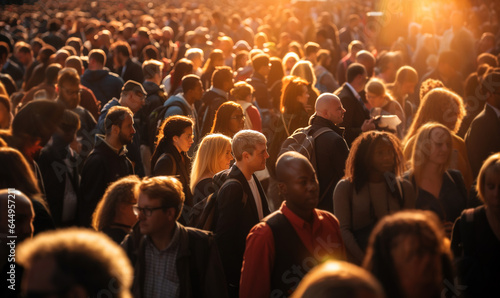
(336, 112)
(197, 92)
(257, 160)
(160, 219)
(301, 190)
(127, 131)
(70, 94)
(136, 101)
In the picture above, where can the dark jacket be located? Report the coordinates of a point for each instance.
(103, 83)
(261, 93)
(198, 263)
(133, 71)
(355, 114)
(235, 219)
(155, 98)
(331, 154)
(102, 167)
(482, 139)
(210, 102)
(55, 174)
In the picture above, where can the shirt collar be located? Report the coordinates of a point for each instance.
(219, 91)
(297, 220)
(173, 242)
(121, 151)
(356, 94)
(497, 111)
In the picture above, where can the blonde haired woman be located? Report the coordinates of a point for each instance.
(114, 215)
(213, 155)
(445, 107)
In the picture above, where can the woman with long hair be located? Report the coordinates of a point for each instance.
(16, 173)
(445, 107)
(229, 119)
(213, 155)
(289, 61)
(170, 156)
(215, 59)
(305, 70)
(409, 255)
(372, 188)
(437, 188)
(114, 215)
(476, 235)
(382, 103)
(172, 82)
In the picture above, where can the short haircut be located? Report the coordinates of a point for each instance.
(51, 73)
(116, 115)
(259, 61)
(193, 53)
(82, 258)
(165, 188)
(98, 55)
(311, 48)
(355, 46)
(151, 67)
(354, 70)
(122, 47)
(68, 75)
(221, 75)
(189, 82)
(241, 90)
(151, 52)
(70, 122)
(74, 62)
(376, 87)
(246, 141)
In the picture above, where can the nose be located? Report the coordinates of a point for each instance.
(267, 154)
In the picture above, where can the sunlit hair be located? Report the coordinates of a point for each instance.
(82, 258)
(122, 191)
(292, 88)
(429, 85)
(182, 68)
(215, 55)
(241, 90)
(376, 87)
(304, 69)
(405, 74)
(422, 228)
(439, 105)
(207, 158)
(340, 280)
(170, 127)
(491, 164)
(246, 141)
(223, 117)
(422, 148)
(288, 56)
(167, 189)
(359, 161)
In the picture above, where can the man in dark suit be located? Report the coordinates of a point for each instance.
(357, 116)
(241, 204)
(125, 67)
(482, 138)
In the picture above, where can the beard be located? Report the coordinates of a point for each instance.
(124, 139)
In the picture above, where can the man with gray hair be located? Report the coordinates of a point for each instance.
(241, 204)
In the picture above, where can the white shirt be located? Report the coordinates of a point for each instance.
(256, 196)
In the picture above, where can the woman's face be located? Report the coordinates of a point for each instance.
(237, 121)
(290, 63)
(304, 95)
(185, 140)
(383, 157)
(376, 101)
(128, 213)
(225, 158)
(492, 190)
(440, 146)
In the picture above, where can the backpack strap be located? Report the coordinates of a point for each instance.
(175, 104)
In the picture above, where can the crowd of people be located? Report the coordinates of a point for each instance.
(283, 149)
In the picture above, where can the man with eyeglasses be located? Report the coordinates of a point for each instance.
(170, 260)
(133, 97)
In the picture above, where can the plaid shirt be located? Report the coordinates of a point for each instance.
(161, 278)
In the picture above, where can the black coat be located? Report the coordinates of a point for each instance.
(210, 102)
(483, 138)
(102, 167)
(355, 114)
(235, 219)
(331, 154)
(133, 71)
(198, 263)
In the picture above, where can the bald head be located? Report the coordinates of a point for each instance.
(287, 164)
(24, 214)
(329, 106)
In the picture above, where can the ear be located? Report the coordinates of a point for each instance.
(171, 214)
(57, 89)
(282, 188)
(115, 129)
(244, 155)
(175, 139)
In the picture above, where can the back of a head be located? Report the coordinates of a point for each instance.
(406, 74)
(151, 68)
(487, 58)
(189, 82)
(355, 46)
(221, 75)
(304, 69)
(51, 73)
(76, 63)
(241, 90)
(311, 48)
(354, 70)
(340, 280)
(98, 56)
(376, 87)
(81, 258)
(259, 61)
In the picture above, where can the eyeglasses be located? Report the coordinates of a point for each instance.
(146, 211)
(238, 117)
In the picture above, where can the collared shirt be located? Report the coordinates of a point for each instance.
(497, 111)
(121, 151)
(161, 279)
(256, 196)
(322, 238)
(356, 94)
(219, 91)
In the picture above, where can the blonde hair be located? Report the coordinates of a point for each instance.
(435, 107)
(492, 163)
(206, 160)
(120, 191)
(421, 148)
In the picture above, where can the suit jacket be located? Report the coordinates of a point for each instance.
(482, 138)
(133, 71)
(354, 116)
(235, 219)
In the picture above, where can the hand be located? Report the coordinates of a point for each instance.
(368, 125)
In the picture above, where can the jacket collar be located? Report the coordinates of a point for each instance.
(320, 121)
